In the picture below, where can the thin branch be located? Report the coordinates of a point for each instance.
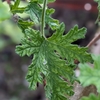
(43, 18)
(93, 40)
(89, 45)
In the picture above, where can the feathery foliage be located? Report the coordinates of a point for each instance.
(98, 19)
(91, 97)
(91, 75)
(53, 57)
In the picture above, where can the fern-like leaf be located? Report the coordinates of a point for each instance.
(53, 57)
(91, 75)
(91, 97)
(35, 12)
(15, 7)
(48, 59)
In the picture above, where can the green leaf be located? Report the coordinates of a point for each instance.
(24, 24)
(91, 97)
(34, 71)
(89, 75)
(4, 13)
(30, 44)
(49, 60)
(75, 34)
(96, 0)
(41, 1)
(49, 1)
(35, 12)
(98, 19)
(66, 50)
(15, 8)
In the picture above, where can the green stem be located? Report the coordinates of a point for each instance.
(43, 18)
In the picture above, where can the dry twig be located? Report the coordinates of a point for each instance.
(93, 40)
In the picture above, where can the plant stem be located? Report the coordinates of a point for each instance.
(93, 40)
(89, 45)
(43, 18)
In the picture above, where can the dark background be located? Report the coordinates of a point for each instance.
(13, 68)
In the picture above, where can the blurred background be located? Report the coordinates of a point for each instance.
(13, 68)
